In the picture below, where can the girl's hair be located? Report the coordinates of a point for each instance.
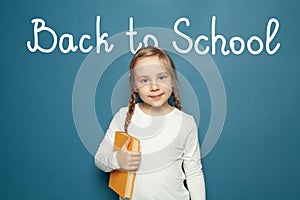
(167, 61)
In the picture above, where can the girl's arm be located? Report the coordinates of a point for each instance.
(192, 165)
(121, 159)
(105, 159)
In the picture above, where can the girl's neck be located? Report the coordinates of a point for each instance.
(156, 111)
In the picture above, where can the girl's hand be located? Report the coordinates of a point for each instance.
(128, 160)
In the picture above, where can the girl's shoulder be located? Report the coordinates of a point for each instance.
(123, 110)
(121, 113)
(186, 118)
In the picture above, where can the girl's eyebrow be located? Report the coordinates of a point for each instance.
(142, 76)
(146, 76)
(163, 73)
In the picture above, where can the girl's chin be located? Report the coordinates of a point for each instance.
(156, 105)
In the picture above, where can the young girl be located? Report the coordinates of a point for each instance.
(168, 165)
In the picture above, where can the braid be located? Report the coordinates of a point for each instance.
(176, 99)
(131, 105)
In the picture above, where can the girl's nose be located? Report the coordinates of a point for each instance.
(154, 86)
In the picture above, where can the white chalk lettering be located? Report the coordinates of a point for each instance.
(260, 43)
(71, 46)
(100, 39)
(201, 45)
(232, 42)
(215, 38)
(232, 45)
(271, 37)
(152, 37)
(189, 40)
(198, 51)
(81, 41)
(132, 33)
(37, 29)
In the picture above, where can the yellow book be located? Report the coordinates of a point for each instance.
(122, 182)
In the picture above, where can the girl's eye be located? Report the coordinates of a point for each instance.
(162, 77)
(144, 80)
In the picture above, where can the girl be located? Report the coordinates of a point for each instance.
(168, 165)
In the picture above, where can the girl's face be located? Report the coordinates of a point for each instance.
(152, 81)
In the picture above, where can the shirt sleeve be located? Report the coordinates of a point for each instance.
(105, 159)
(192, 165)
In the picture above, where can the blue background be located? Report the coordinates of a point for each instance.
(42, 156)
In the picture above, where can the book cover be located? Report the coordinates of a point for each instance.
(122, 182)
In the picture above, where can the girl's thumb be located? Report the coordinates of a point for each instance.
(126, 144)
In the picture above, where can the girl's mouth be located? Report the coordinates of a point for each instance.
(156, 96)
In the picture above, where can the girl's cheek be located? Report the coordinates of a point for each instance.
(167, 85)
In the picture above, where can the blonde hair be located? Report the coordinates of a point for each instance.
(167, 61)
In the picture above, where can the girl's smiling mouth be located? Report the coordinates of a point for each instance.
(156, 96)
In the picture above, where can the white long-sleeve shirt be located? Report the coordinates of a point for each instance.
(170, 154)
